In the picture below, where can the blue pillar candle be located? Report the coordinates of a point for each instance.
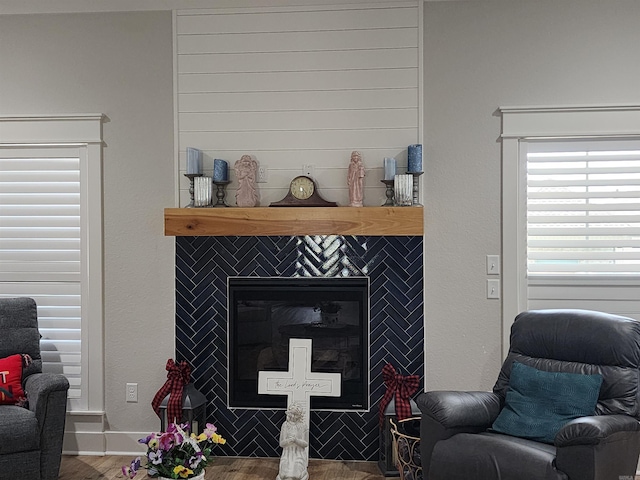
(220, 170)
(415, 158)
(194, 161)
(389, 168)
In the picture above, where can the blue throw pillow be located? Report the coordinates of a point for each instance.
(539, 403)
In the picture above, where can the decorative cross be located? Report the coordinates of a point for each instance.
(299, 383)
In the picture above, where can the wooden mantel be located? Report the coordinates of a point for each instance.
(275, 221)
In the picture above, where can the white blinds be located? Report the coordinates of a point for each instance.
(40, 248)
(583, 208)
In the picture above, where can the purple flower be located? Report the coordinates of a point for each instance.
(147, 439)
(195, 460)
(155, 457)
(131, 470)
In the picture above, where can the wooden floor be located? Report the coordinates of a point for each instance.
(222, 468)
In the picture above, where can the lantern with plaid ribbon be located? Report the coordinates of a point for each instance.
(397, 403)
(178, 401)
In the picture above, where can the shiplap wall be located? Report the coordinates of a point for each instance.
(296, 86)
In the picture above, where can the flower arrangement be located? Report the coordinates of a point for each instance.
(175, 453)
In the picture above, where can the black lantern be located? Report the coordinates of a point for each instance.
(387, 455)
(193, 409)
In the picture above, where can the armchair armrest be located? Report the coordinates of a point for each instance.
(593, 430)
(47, 396)
(601, 446)
(460, 409)
(40, 387)
(445, 413)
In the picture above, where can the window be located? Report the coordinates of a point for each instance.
(583, 208)
(570, 210)
(50, 242)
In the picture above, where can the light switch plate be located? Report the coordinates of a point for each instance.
(493, 288)
(493, 264)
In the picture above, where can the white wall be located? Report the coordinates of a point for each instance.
(480, 55)
(119, 65)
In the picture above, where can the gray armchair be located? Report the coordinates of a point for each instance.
(458, 435)
(30, 439)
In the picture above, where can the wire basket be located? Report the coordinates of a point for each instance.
(406, 447)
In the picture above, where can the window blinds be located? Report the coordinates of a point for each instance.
(583, 208)
(40, 248)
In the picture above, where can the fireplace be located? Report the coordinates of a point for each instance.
(393, 266)
(264, 313)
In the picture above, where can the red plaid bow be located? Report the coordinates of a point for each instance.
(402, 388)
(178, 376)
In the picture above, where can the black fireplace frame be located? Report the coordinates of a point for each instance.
(349, 289)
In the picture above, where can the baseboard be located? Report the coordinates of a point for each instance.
(84, 434)
(103, 443)
(83, 443)
(124, 443)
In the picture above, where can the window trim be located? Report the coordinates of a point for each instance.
(84, 130)
(521, 124)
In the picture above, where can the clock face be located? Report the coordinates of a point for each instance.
(302, 187)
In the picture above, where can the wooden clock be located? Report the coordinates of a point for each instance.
(303, 192)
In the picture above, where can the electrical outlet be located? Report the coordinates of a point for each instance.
(132, 392)
(309, 170)
(262, 174)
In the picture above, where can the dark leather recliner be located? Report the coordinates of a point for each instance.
(455, 433)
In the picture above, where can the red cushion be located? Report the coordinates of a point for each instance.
(11, 379)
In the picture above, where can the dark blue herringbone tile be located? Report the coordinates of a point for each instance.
(394, 268)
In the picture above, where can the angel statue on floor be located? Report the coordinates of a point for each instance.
(294, 440)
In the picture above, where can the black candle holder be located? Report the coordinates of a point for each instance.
(388, 192)
(416, 200)
(191, 176)
(221, 193)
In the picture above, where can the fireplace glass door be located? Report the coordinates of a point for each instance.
(264, 313)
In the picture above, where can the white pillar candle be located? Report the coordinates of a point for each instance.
(202, 191)
(403, 190)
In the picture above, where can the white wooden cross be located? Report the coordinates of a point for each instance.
(299, 383)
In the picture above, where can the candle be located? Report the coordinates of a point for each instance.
(415, 158)
(220, 170)
(389, 168)
(202, 192)
(403, 189)
(194, 161)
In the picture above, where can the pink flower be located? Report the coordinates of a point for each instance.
(210, 430)
(168, 440)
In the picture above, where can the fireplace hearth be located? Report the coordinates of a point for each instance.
(393, 268)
